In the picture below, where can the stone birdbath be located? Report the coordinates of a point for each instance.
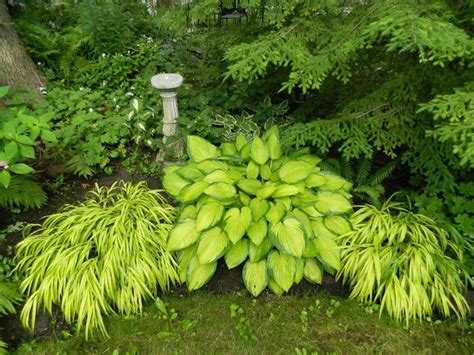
(168, 84)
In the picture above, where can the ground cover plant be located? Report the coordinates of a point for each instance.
(248, 200)
(103, 256)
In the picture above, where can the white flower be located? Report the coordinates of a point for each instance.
(141, 126)
(4, 164)
(103, 55)
(132, 88)
(115, 100)
(129, 94)
(91, 110)
(81, 88)
(39, 63)
(117, 107)
(103, 83)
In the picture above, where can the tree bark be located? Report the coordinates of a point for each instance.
(16, 67)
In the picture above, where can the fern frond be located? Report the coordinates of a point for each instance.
(77, 164)
(9, 296)
(346, 168)
(22, 192)
(363, 171)
(369, 194)
(382, 173)
(331, 165)
(3, 348)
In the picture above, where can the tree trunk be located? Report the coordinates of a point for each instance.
(16, 67)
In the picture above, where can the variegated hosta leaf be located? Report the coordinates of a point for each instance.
(310, 158)
(295, 171)
(337, 224)
(272, 285)
(212, 245)
(332, 202)
(208, 166)
(266, 190)
(182, 235)
(244, 198)
(282, 269)
(188, 212)
(190, 172)
(328, 250)
(333, 182)
(258, 252)
(315, 180)
(245, 152)
(274, 148)
(218, 176)
(209, 215)
(286, 190)
(310, 251)
(305, 221)
(259, 208)
(252, 170)
(249, 186)
(184, 257)
(200, 149)
(275, 213)
(319, 228)
(257, 231)
(221, 190)
(259, 151)
(299, 263)
(192, 192)
(265, 172)
(313, 271)
(240, 142)
(237, 253)
(228, 149)
(199, 274)
(236, 222)
(288, 237)
(173, 183)
(255, 277)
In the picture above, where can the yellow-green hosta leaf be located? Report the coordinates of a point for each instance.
(315, 180)
(305, 221)
(252, 170)
(187, 213)
(212, 245)
(274, 148)
(218, 176)
(237, 253)
(310, 158)
(190, 172)
(285, 201)
(182, 235)
(173, 183)
(192, 192)
(236, 222)
(199, 274)
(312, 212)
(200, 149)
(244, 198)
(333, 182)
(281, 268)
(258, 252)
(255, 277)
(266, 190)
(272, 130)
(299, 262)
(319, 228)
(209, 215)
(332, 202)
(245, 151)
(265, 172)
(249, 186)
(228, 149)
(337, 224)
(208, 166)
(236, 173)
(171, 169)
(259, 208)
(285, 190)
(328, 250)
(313, 271)
(275, 213)
(184, 257)
(240, 141)
(259, 151)
(288, 237)
(310, 251)
(257, 231)
(295, 171)
(221, 190)
(272, 285)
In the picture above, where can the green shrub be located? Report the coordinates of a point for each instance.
(103, 256)
(400, 259)
(248, 201)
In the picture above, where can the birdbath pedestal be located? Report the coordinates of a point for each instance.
(168, 84)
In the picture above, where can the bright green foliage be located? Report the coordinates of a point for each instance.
(401, 259)
(103, 256)
(247, 201)
(9, 296)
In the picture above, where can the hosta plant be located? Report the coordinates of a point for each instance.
(401, 259)
(104, 256)
(249, 203)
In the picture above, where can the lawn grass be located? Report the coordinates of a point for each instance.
(235, 323)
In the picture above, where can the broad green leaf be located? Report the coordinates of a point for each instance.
(315, 180)
(240, 142)
(281, 268)
(236, 222)
(285, 201)
(313, 271)
(22, 139)
(212, 245)
(274, 148)
(192, 191)
(310, 158)
(221, 190)
(286, 190)
(198, 275)
(333, 182)
(332, 202)
(173, 183)
(266, 190)
(257, 231)
(299, 263)
(27, 151)
(21, 169)
(200, 149)
(295, 171)
(237, 253)
(4, 91)
(255, 277)
(275, 213)
(244, 198)
(258, 252)
(182, 235)
(228, 149)
(249, 186)
(188, 212)
(310, 250)
(218, 176)
(252, 170)
(208, 166)
(328, 251)
(10, 150)
(48, 136)
(272, 285)
(319, 228)
(288, 237)
(5, 178)
(245, 151)
(184, 257)
(312, 212)
(337, 224)
(273, 130)
(304, 220)
(209, 215)
(259, 208)
(259, 151)
(265, 172)
(190, 172)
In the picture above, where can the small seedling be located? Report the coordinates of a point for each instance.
(304, 320)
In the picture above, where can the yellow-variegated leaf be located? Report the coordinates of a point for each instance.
(252, 170)
(182, 235)
(299, 262)
(190, 172)
(258, 252)
(218, 176)
(332, 202)
(208, 166)
(184, 257)
(221, 190)
(275, 213)
(281, 268)
(272, 285)
(245, 151)
(199, 274)
(173, 183)
(192, 192)
(288, 237)
(257, 231)
(319, 228)
(259, 151)
(249, 186)
(266, 190)
(228, 149)
(328, 250)
(305, 221)
(237, 253)
(315, 180)
(212, 245)
(285, 190)
(295, 171)
(209, 215)
(265, 172)
(310, 251)
(337, 224)
(255, 277)
(200, 149)
(236, 222)
(244, 198)
(310, 158)
(240, 141)
(187, 213)
(333, 182)
(274, 148)
(259, 208)
(313, 271)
